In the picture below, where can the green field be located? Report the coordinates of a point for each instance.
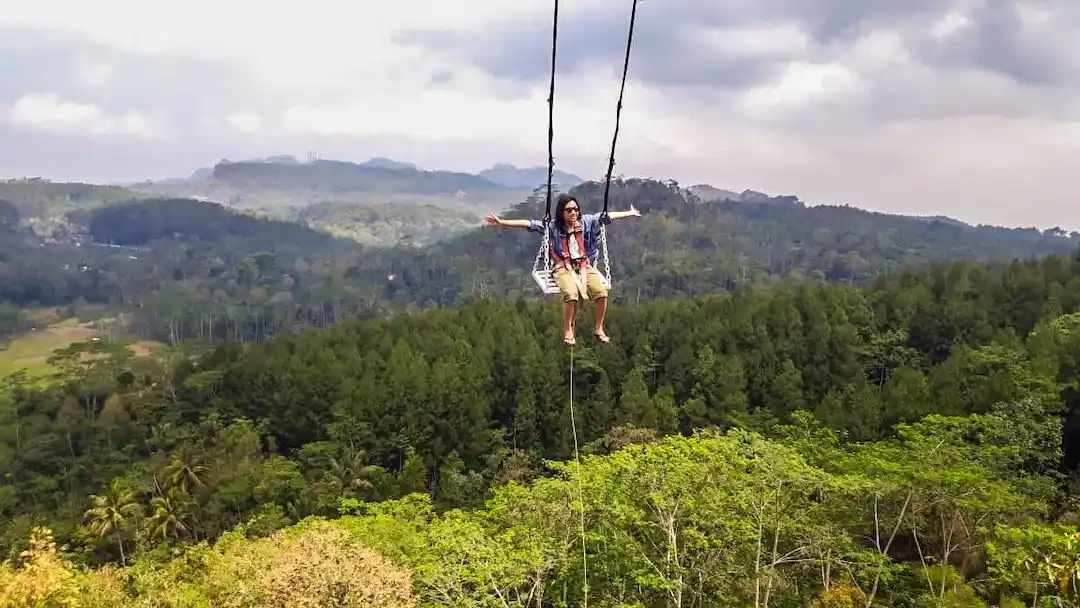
(31, 351)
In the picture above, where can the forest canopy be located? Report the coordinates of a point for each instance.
(800, 406)
(907, 441)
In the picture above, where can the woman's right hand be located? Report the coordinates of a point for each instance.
(492, 220)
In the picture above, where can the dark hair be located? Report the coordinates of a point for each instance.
(560, 204)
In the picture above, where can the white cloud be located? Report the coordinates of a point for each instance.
(584, 117)
(48, 112)
(310, 43)
(860, 118)
(751, 40)
(246, 122)
(877, 50)
(94, 73)
(800, 85)
(326, 68)
(949, 24)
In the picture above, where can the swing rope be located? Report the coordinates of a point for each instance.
(551, 156)
(618, 107)
(603, 237)
(614, 139)
(551, 114)
(581, 493)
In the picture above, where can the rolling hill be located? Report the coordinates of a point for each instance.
(416, 238)
(204, 269)
(140, 223)
(43, 204)
(328, 176)
(683, 245)
(274, 186)
(386, 224)
(531, 177)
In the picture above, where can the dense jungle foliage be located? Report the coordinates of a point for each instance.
(800, 405)
(909, 442)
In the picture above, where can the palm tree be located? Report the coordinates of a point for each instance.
(111, 511)
(305, 503)
(350, 471)
(172, 514)
(185, 469)
(160, 436)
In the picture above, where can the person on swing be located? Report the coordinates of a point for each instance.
(574, 247)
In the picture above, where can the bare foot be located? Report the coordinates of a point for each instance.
(568, 338)
(600, 335)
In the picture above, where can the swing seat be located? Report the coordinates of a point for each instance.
(542, 272)
(545, 279)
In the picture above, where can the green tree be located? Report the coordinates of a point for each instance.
(113, 512)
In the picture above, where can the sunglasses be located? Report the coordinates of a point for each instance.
(573, 209)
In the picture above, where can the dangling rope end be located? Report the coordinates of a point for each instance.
(581, 493)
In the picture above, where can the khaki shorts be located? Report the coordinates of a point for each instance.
(594, 285)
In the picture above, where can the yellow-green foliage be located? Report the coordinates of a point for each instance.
(314, 565)
(39, 578)
(309, 566)
(104, 588)
(841, 596)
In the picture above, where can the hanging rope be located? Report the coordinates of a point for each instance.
(614, 141)
(547, 220)
(551, 113)
(618, 108)
(581, 493)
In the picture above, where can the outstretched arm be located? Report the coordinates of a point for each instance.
(619, 215)
(531, 225)
(493, 220)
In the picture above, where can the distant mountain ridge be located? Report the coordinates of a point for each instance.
(342, 176)
(282, 186)
(709, 193)
(528, 177)
(498, 175)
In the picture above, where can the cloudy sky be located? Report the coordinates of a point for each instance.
(967, 108)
